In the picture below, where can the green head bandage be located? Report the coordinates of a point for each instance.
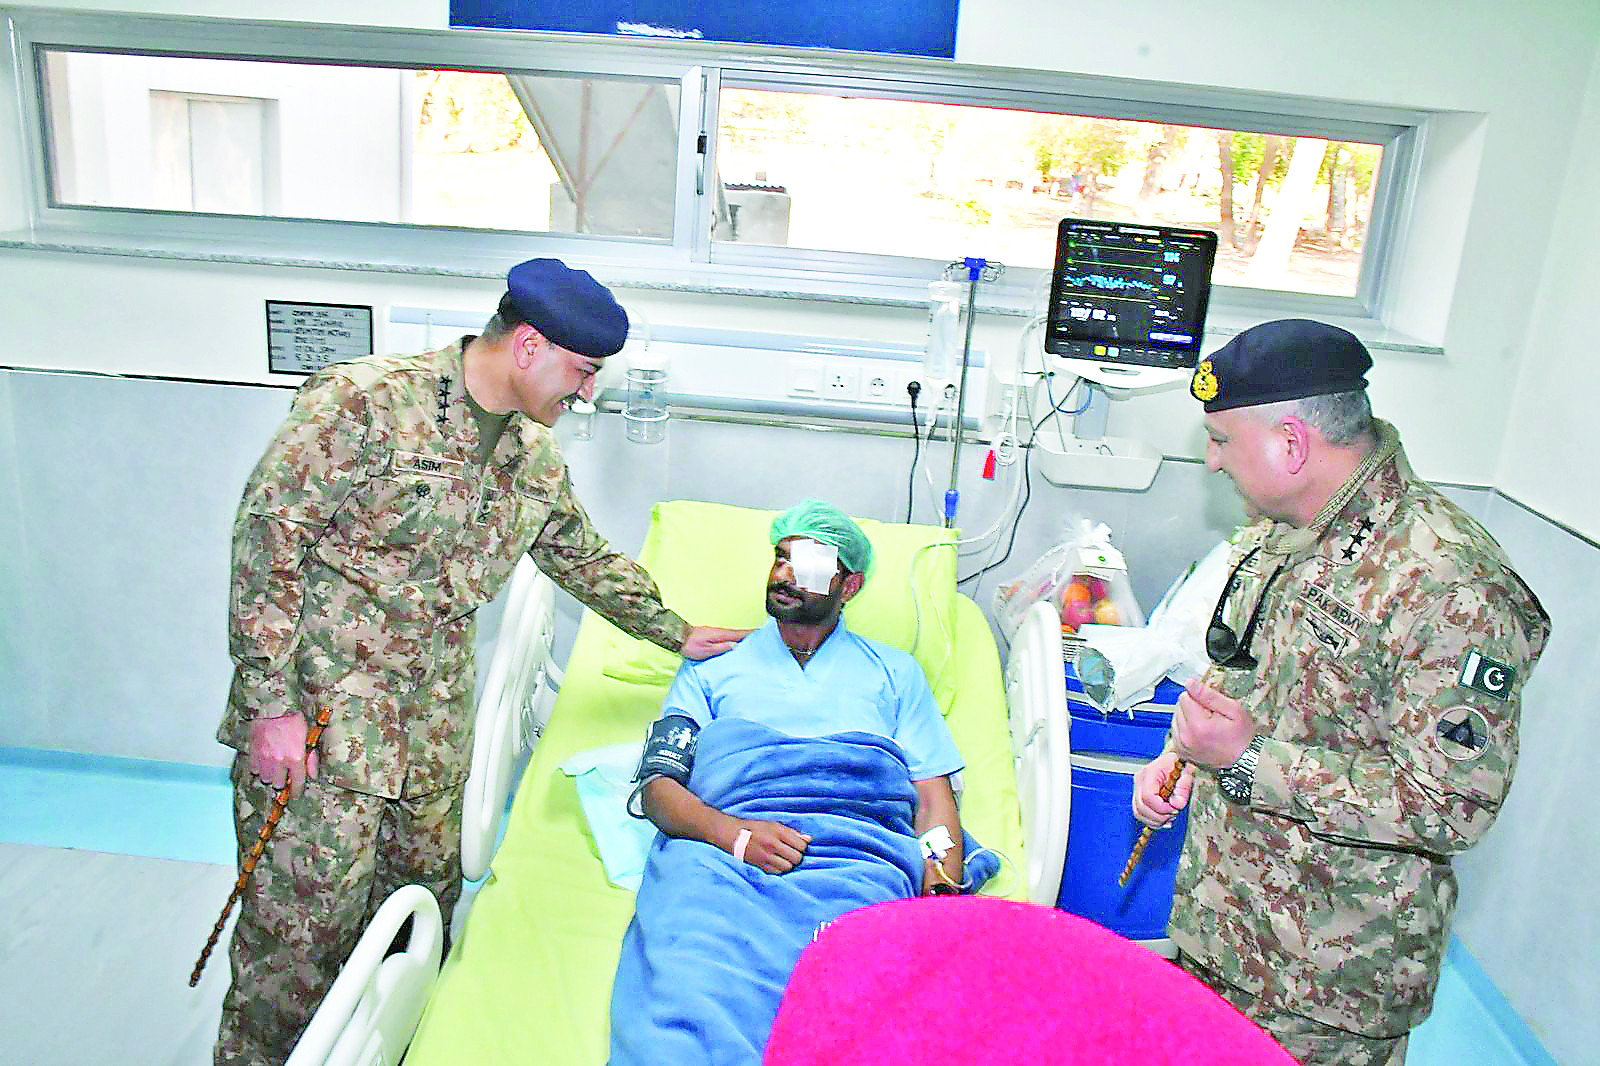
(826, 525)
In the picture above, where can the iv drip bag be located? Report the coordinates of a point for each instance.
(943, 352)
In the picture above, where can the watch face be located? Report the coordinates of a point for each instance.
(1234, 788)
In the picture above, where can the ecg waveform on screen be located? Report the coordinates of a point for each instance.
(1107, 282)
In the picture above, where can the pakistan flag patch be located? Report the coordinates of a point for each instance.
(1482, 674)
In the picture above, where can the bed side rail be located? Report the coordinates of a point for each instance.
(1036, 695)
(512, 710)
(372, 1010)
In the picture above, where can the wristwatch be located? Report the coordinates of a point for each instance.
(1237, 780)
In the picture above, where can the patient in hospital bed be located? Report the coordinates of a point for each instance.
(793, 779)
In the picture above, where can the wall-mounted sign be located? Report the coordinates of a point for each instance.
(302, 338)
(896, 27)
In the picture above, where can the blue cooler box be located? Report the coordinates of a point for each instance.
(1101, 835)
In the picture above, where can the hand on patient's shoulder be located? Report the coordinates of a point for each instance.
(705, 642)
(769, 846)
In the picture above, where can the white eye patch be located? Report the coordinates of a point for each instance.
(813, 563)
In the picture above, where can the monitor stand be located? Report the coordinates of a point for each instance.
(1123, 376)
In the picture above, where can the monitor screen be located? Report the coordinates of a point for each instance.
(1129, 294)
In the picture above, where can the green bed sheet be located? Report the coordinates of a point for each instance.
(530, 978)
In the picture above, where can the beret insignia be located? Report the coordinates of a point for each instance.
(1203, 386)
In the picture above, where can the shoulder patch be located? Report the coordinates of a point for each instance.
(1483, 674)
(1462, 733)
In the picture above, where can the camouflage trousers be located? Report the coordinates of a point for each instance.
(335, 856)
(1311, 1043)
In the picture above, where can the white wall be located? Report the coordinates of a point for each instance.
(315, 161)
(1546, 459)
(405, 14)
(1477, 247)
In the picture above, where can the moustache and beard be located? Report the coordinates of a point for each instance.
(801, 608)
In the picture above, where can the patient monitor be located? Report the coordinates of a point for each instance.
(1126, 313)
(1128, 302)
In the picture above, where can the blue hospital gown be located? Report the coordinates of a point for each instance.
(851, 683)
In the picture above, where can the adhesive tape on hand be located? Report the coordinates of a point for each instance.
(741, 842)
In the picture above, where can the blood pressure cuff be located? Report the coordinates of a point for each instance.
(668, 752)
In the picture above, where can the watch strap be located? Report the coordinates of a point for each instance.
(1237, 780)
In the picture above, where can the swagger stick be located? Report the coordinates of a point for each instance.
(1144, 838)
(312, 736)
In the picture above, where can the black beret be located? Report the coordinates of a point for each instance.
(568, 306)
(1289, 359)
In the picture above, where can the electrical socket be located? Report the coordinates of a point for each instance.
(841, 383)
(883, 383)
(879, 383)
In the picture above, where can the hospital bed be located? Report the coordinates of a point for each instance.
(535, 947)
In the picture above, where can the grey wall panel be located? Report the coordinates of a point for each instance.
(1160, 530)
(18, 673)
(126, 492)
(126, 489)
(1527, 890)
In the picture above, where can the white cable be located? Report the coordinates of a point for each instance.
(1014, 493)
(1006, 444)
(916, 607)
(1005, 864)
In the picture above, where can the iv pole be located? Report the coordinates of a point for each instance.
(977, 270)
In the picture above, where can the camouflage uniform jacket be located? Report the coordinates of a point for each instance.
(1392, 652)
(368, 537)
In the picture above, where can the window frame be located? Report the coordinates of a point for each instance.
(1055, 94)
(690, 260)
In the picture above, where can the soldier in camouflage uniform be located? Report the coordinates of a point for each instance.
(1358, 726)
(392, 504)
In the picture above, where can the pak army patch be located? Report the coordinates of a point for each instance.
(1482, 674)
(1462, 733)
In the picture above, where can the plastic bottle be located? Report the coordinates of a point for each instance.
(645, 412)
(943, 352)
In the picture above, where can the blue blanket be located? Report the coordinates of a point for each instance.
(713, 941)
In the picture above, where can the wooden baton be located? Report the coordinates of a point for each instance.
(1139, 845)
(313, 735)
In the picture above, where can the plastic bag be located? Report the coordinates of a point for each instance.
(1120, 668)
(1084, 578)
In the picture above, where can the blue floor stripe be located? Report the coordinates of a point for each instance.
(158, 810)
(1472, 1022)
